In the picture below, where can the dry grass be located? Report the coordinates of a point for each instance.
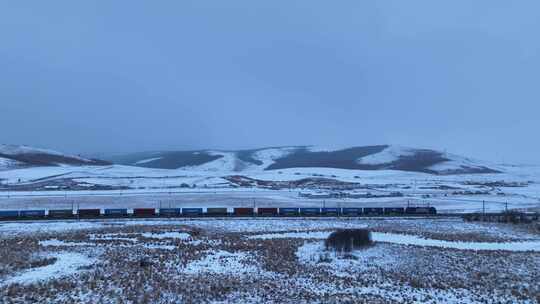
(120, 277)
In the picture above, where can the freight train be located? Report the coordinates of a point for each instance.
(215, 212)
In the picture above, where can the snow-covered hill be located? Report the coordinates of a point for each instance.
(15, 156)
(382, 157)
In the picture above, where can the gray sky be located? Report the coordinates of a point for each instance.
(89, 76)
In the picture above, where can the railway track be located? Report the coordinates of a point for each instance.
(232, 217)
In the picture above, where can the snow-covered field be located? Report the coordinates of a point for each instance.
(267, 261)
(255, 197)
(516, 188)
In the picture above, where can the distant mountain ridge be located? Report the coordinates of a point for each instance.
(16, 156)
(379, 157)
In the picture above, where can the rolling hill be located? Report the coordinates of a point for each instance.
(15, 156)
(380, 157)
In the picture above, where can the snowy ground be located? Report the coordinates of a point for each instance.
(258, 198)
(267, 261)
(158, 187)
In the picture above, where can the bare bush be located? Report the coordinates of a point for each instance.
(347, 240)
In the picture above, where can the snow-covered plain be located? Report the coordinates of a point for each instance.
(210, 188)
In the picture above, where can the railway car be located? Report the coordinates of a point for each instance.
(144, 212)
(310, 211)
(267, 211)
(421, 210)
(9, 214)
(351, 211)
(244, 212)
(289, 211)
(61, 213)
(88, 213)
(217, 212)
(170, 212)
(373, 211)
(394, 211)
(116, 212)
(192, 212)
(32, 213)
(330, 211)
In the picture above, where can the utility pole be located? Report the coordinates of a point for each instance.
(506, 207)
(484, 208)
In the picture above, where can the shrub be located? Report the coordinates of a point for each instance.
(143, 262)
(347, 240)
(324, 258)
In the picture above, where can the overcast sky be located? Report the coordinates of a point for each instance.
(115, 76)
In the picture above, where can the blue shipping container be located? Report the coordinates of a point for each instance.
(331, 211)
(32, 213)
(288, 211)
(352, 211)
(192, 211)
(60, 213)
(9, 214)
(310, 211)
(373, 211)
(170, 211)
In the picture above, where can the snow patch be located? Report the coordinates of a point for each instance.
(269, 156)
(112, 237)
(60, 243)
(224, 262)
(404, 239)
(418, 241)
(6, 163)
(456, 162)
(149, 160)
(386, 156)
(158, 246)
(292, 235)
(226, 163)
(315, 254)
(168, 235)
(67, 263)
(327, 148)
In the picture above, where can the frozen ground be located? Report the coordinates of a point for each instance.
(267, 261)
